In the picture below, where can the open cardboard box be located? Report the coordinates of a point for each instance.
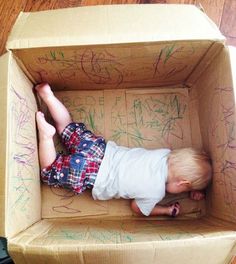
(142, 75)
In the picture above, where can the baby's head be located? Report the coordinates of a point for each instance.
(188, 169)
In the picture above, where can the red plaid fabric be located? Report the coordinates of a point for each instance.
(77, 170)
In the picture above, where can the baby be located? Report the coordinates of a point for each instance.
(113, 171)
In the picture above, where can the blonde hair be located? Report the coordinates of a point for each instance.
(192, 165)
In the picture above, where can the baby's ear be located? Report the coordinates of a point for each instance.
(184, 182)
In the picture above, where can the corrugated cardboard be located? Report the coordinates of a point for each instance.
(3, 140)
(217, 122)
(147, 75)
(20, 182)
(99, 25)
(124, 241)
(125, 65)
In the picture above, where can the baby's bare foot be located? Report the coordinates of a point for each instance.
(46, 130)
(44, 90)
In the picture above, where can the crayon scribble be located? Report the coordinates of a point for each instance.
(124, 66)
(222, 136)
(118, 232)
(172, 58)
(162, 115)
(101, 68)
(23, 169)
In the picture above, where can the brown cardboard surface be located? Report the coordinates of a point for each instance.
(111, 24)
(22, 196)
(59, 203)
(217, 121)
(4, 82)
(212, 52)
(114, 66)
(158, 118)
(150, 118)
(123, 241)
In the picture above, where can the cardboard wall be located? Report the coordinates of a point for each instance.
(114, 66)
(4, 78)
(150, 118)
(123, 241)
(216, 97)
(111, 24)
(23, 200)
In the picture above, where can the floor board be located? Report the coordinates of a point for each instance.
(228, 22)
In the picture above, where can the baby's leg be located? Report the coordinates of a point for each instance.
(57, 110)
(47, 152)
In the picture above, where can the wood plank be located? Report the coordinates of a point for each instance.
(167, 1)
(9, 10)
(39, 5)
(213, 9)
(153, 2)
(228, 23)
(67, 3)
(108, 2)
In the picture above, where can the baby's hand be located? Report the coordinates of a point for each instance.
(197, 195)
(174, 209)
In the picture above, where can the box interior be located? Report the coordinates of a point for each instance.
(171, 94)
(132, 94)
(139, 95)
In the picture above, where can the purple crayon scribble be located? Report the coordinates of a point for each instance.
(23, 153)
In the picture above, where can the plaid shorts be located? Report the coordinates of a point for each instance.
(77, 170)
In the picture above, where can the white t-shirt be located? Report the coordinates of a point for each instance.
(132, 173)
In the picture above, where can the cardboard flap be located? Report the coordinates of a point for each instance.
(123, 241)
(216, 97)
(111, 24)
(19, 182)
(4, 82)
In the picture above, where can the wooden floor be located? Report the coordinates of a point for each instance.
(222, 12)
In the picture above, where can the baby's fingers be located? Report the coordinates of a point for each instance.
(174, 209)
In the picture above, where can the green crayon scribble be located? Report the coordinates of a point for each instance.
(53, 54)
(168, 52)
(91, 121)
(61, 53)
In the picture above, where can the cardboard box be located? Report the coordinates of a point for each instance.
(142, 75)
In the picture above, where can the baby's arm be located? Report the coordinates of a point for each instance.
(171, 210)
